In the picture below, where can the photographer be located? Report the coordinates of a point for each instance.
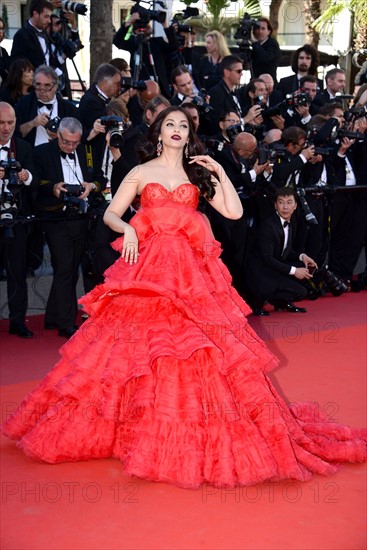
(39, 112)
(298, 109)
(156, 46)
(186, 52)
(335, 84)
(265, 53)
(32, 41)
(69, 184)
(15, 209)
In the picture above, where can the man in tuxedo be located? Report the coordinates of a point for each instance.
(13, 237)
(93, 104)
(265, 53)
(183, 85)
(305, 61)
(32, 42)
(335, 84)
(274, 268)
(57, 163)
(36, 109)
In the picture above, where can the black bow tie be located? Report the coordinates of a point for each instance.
(48, 105)
(71, 156)
(285, 224)
(4, 148)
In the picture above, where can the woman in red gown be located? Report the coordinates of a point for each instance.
(166, 374)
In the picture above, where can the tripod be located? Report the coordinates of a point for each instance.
(138, 57)
(245, 54)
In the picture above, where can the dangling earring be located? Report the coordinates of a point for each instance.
(187, 150)
(159, 147)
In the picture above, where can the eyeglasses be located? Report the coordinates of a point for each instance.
(231, 120)
(67, 142)
(238, 71)
(47, 87)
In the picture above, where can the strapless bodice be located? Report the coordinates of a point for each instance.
(186, 194)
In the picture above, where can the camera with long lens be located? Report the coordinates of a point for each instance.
(311, 139)
(297, 99)
(179, 26)
(335, 284)
(247, 24)
(147, 15)
(10, 185)
(53, 124)
(67, 47)
(81, 9)
(71, 199)
(200, 101)
(115, 126)
(354, 113)
(309, 216)
(127, 82)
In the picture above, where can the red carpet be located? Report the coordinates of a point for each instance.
(93, 505)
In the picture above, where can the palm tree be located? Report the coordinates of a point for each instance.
(358, 10)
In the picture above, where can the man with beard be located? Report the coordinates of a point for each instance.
(305, 61)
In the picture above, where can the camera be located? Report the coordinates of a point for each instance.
(67, 47)
(127, 82)
(301, 99)
(81, 9)
(244, 30)
(354, 113)
(199, 101)
(11, 184)
(147, 15)
(71, 199)
(270, 152)
(53, 124)
(115, 127)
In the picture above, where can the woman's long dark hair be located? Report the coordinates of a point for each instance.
(14, 83)
(199, 176)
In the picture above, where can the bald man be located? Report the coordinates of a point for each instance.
(15, 208)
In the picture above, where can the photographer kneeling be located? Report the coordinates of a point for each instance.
(68, 186)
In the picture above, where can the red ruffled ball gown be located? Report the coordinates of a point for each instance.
(167, 376)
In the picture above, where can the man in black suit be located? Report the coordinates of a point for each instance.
(159, 52)
(183, 85)
(57, 163)
(265, 53)
(305, 61)
(36, 109)
(335, 84)
(32, 42)
(13, 237)
(274, 268)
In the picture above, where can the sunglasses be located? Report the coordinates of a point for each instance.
(238, 71)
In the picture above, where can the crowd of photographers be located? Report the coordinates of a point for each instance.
(298, 141)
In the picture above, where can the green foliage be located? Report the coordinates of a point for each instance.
(4, 15)
(217, 19)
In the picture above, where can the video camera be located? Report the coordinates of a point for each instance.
(81, 9)
(67, 47)
(147, 15)
(11, 184)
(115, 126)
(71, 199)
(246, 26)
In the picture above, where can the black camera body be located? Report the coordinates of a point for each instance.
(147, 15)
(127, 82)
(71, 200)
(301, 99)
(200, 102)
(11, 184)
(115, 127)
(272, 152)
(67, 47)
(53, 124)
(246, 26)
(355, 112)
(235, 129)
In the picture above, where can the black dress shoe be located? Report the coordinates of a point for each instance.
(68, 332)
(20, 330)
(258, 311)
(289, 306)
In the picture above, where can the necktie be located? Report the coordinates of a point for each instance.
(71, 156)
(48, 105)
